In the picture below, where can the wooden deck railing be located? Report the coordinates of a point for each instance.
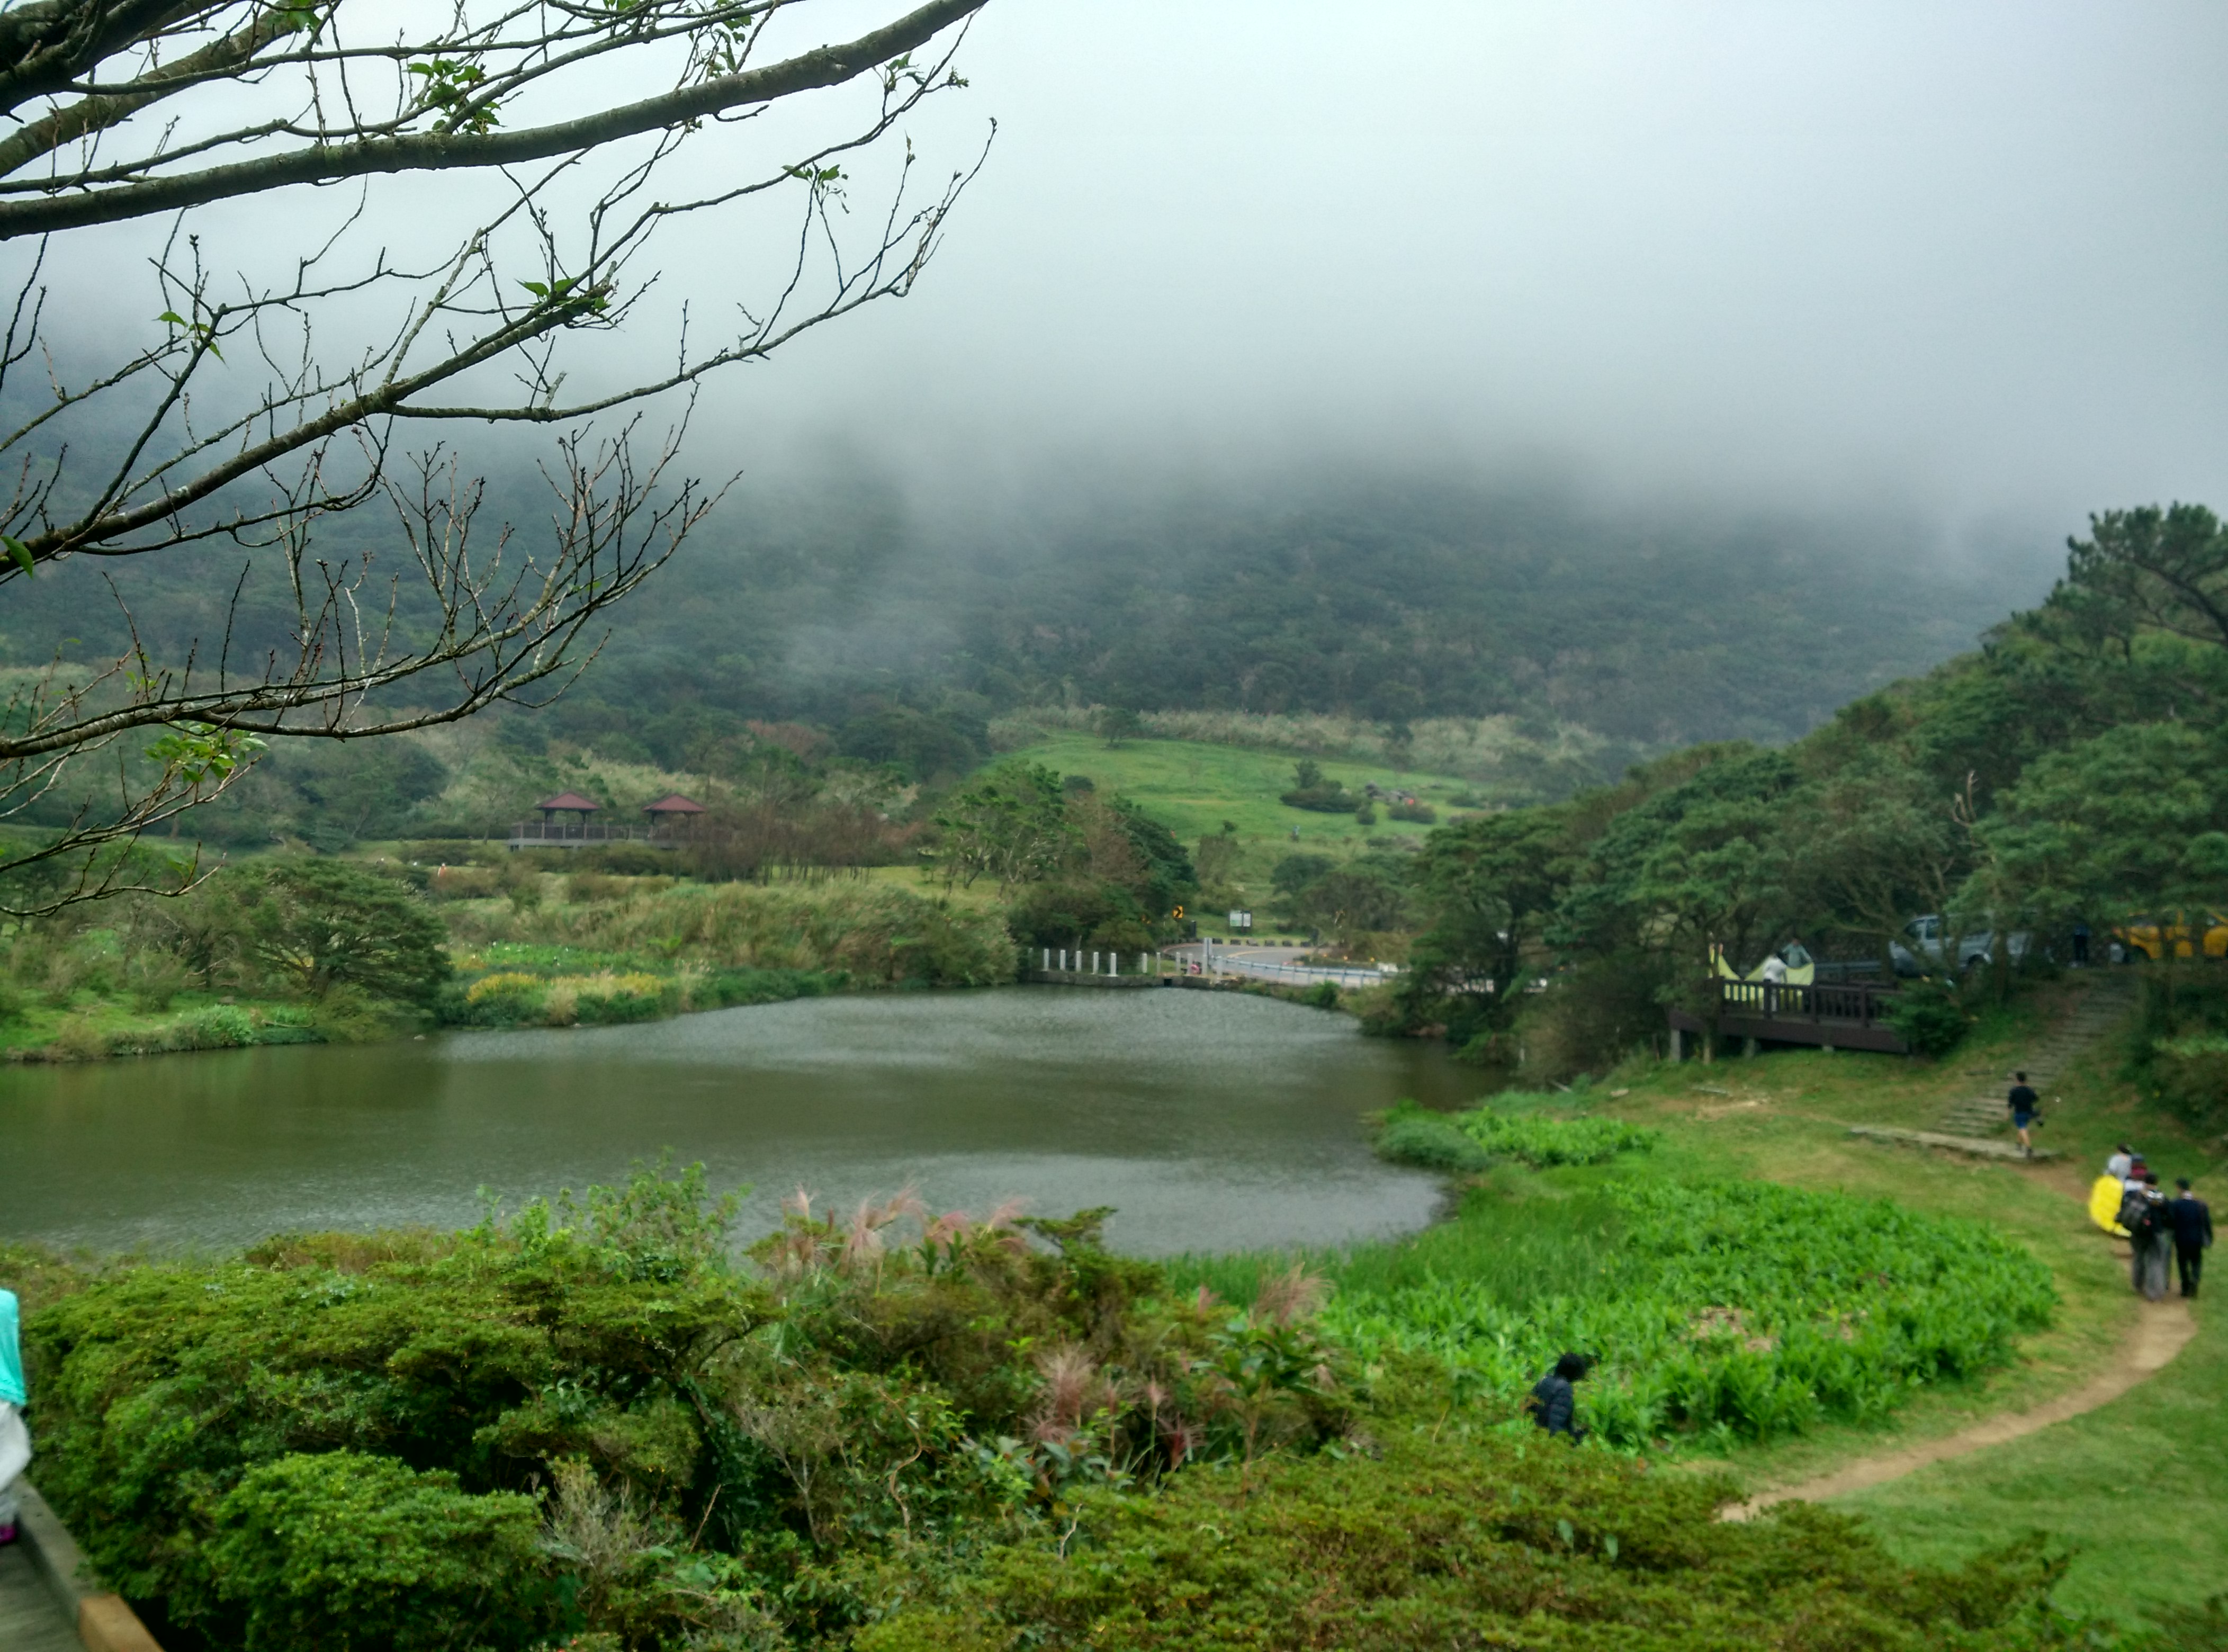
(1840, 1001)
(544, 831)
(1844, 1014)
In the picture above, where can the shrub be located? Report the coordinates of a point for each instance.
(1421, 813)
(583, 888)
(1331, 799)
(323, 924)
(1590, 1017)
(1429, 1140)
(219, 1026)
(602, 1000)
(464, 883)
(155, 978)
(508, 998)
(1455, 1539)
(1928, 1017)
(1541, 1142)
(77, 1040)
(2191, 1076)
(342, 1551)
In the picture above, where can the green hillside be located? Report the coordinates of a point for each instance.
(1192, 789)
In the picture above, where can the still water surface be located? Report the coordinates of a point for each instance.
(1210, 1121)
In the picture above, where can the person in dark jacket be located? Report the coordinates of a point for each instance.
(2027, 1108)
(1554, 1403)
(2191, 1219)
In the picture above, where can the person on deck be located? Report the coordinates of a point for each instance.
(15, 1439)
(1554, 1403)
(2026, 1107)
(2190, 1220)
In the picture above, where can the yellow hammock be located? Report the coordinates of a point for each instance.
(2105, 1195)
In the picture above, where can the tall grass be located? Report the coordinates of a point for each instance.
(1473, 1140)
(1519, 1250)
(1717, 1309)
(875, 934)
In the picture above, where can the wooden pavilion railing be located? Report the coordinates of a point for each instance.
(1845, 1014)
(528, 833)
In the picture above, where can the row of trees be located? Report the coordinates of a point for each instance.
(1082, 870)
(2074, 770)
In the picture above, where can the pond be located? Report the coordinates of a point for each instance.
(1210, 1121)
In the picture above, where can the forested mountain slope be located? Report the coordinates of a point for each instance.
(900, 630)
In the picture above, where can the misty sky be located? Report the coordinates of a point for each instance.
(1968, 257)
(1960, 262)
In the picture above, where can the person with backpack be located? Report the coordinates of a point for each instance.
(2190, 1220)
(1554, 1404)
(2149, 1233)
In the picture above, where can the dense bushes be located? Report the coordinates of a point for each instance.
(874, 934)
(1461, 1538)
(587, 1420)
(896, 1430)
(1929, 1017)
(534, 987)
(2178, 1047)
(337, 1549)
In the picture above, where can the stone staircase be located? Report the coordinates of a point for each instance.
(2111, 994)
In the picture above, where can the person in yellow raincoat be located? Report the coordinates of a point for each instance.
(2106, 1192)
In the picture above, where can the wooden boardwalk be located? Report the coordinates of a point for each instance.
(31, 1618)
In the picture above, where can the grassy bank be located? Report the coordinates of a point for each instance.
(523, 947)
(2132, 1494)
(587, 1425)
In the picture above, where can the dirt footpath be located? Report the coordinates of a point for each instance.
(2161, 1330)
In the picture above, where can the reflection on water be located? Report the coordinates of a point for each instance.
(1210, 1121)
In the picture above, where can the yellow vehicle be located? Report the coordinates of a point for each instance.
(2144, 936)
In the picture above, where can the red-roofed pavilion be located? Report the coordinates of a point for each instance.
(567, 803)
(672, 813)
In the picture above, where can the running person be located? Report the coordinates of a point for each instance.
(2026, 1107)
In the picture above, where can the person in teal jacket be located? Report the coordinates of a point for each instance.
(15, 1439)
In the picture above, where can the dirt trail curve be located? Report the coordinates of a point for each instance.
(2161, 1330)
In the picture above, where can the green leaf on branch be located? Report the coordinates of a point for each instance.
(196, 753)
(19, 555)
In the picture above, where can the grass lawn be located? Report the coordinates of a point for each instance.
(2137, 1491)
(1191, 787)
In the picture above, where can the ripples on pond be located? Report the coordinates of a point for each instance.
(1210, 1121)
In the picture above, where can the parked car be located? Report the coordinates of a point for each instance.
(2142, 935)
(1929, 942)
